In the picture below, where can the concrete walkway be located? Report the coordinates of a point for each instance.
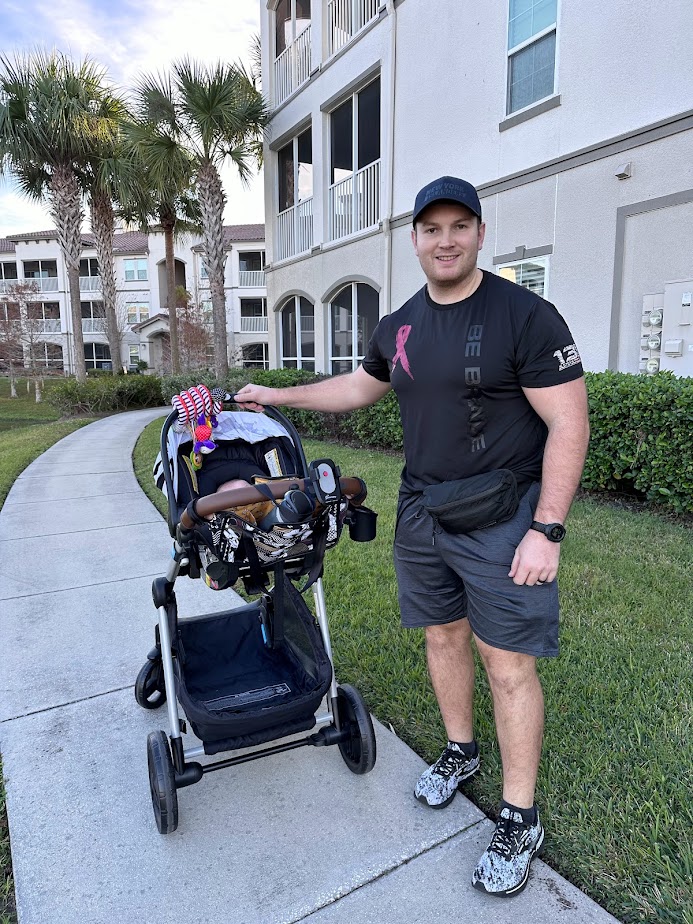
(290, 838)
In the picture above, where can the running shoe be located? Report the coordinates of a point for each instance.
(437, 785)
(504, 868)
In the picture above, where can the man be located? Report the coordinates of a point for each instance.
(487, 377)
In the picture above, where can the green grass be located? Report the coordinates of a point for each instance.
(27, 430)
(615, 780)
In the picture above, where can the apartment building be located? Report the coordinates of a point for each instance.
(574, 122)
(142, 296)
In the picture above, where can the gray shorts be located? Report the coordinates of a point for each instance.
(443, 577)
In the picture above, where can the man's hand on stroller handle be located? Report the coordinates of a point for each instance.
(256, 397)
(352, 488)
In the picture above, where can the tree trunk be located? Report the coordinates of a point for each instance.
(102, 228)
(13, 380)
(168, 222)
(65, 206)
(212, 200)
(38, 386)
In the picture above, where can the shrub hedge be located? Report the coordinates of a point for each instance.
(642, 426)
(104, 394)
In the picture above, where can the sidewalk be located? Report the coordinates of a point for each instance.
(276, 841)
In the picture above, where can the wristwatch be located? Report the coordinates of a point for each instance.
(554, 532)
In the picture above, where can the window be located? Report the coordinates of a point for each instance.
(291, 19)
(48, 355)
(137, 312)
(251, 261)
(135, 270)
(134, 355)
(40, 269)
(256, 355)
(298, 334)
(253, 308)
(8, 272)
(203, 271)
(296, 170)
(97, 356)
(46, 315)
(532, 274)
(89, 267)
(93, 317)
(353, 318)
(531, 52)
(354, 194)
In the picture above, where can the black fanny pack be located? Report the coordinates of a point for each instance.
(472, 503)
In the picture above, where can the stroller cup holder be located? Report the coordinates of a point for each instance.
(362, 524)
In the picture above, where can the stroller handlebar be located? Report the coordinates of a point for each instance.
(353, 488)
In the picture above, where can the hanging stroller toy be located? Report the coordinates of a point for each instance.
(259, 672)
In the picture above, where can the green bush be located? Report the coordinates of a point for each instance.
(105, 394)
(642, 436)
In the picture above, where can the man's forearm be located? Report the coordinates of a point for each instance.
(564, 460)
(337, 394)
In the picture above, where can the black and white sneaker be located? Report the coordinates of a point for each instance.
(504, 868)
(437, 785)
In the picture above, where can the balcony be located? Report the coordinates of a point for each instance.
(251, 279)
(354, 203)
(292, 67)
(345, 18)
(90, 283)
(294, 230)
(254, 325)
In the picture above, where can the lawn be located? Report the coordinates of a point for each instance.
(615, 781)
(28, 429)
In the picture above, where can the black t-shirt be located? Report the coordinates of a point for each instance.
(458, 371)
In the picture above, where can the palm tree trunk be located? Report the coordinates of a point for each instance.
(102, 228)
(65, 206)
(212, 201)
(168, 223)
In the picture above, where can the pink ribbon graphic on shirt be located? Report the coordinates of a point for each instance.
(401, 354)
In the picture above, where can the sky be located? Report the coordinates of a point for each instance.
(130, 39)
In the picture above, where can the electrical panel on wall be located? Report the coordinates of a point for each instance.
(651, 333)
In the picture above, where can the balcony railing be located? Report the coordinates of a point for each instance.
(292, 67)
(354, 203)
(5, 284)
(93, 325)
(256, 325)
(294, 230)
(203, 282)
(90, 283)
(251, 278)
(44, 283)
(345, 18)
(49, 326)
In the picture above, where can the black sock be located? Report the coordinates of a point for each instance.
(529, 816)
(468, 748)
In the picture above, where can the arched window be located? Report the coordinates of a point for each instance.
(353, 317)
(298, 334)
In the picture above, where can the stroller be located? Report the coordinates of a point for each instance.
(259, 672)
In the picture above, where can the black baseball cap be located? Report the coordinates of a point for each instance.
(447, 189)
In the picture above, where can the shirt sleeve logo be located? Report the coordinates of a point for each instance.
(567, 357)
(401, 354)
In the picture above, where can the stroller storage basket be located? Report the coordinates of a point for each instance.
(239, 686)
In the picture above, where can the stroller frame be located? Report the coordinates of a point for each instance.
(346, 721)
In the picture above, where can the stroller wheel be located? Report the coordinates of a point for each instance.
(150, 691)
(162, 782)
(359, 750)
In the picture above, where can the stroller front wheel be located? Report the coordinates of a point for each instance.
(358, 750)
(150, 691)
(162, 782)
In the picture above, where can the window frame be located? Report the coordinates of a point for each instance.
(521, 46)
(355, 357)
(299, 359)
(140, 316)
(537, 261)
(136, 270)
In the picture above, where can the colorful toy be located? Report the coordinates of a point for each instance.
(197, 410)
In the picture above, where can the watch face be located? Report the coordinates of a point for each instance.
(556, 532)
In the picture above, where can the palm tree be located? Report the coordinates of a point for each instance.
(50, 119)
(172, 205)
(210, 114)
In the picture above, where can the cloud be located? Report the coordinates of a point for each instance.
(130, 39)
